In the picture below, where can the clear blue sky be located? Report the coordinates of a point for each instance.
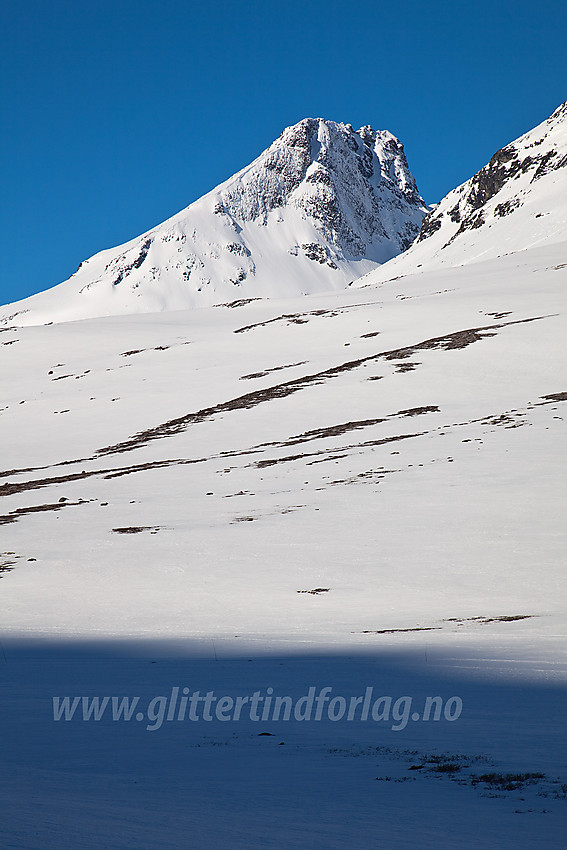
(118, 113)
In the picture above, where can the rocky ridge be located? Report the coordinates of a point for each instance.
(321, 206)
(516, 201)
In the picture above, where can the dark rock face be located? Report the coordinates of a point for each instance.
(316, 252)
(284, 167)
(455, 214)
(322, 205)
(354, 187)
(505, 165)
(551, 161)
(407, 236)
(471, 222)
(320, 176)
(532, 155)
(490, 179)
(340, 179)
(237, 248)
(365, 162)
(431, 224)
(135, 264)
(507, 207)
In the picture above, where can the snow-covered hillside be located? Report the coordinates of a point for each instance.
(381, 403)
(356, 489)
(517, 201)
(320, 207)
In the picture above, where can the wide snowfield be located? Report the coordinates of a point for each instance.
(174, 485)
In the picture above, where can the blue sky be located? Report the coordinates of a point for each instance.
(118, 114)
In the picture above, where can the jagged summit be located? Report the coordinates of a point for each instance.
(320, 207)
(518, 200)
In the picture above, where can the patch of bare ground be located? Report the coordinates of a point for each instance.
(8, 561)
(507, 781)
(320, 456)
(155, 348)
(253, 375)
(316, 590)
(261, 464)
(505, 618)
(9, 472)
(13, 516)
(513, 419)
(372, 475)
(14, 487)
(137, 529)
(482, 621)
(331, 431)
(289, 318)
(239, 302)
(418, 411)
(397, 631)
(407, 367)
(345, 427)
(10, 488)
(551, 397)
(301, 318)
(448, 342)
(326, 459)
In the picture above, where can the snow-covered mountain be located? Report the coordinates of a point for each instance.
(518, 200)
(346, 491)
(320, 207)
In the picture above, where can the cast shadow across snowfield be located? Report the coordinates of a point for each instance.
(487, 773)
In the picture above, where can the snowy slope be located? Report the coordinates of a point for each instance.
(351, 489)
(356, 489)
(379, 420)
(321, 206)
(518, 200)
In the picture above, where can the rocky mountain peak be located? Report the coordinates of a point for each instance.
(338, 177)
(560, 114)
(515, 201)
(319, 207)
(501, 186)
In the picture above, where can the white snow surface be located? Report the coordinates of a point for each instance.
(350, 489)
(320, 207)
(517, 201)
(358, 488)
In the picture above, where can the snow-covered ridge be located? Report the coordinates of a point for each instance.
(321, 206)
(518, 200)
